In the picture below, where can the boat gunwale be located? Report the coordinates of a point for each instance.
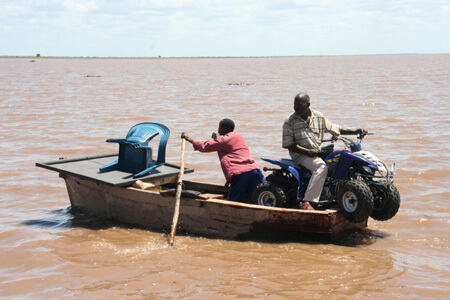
(239, 204)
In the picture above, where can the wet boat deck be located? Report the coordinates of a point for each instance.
(88, 168)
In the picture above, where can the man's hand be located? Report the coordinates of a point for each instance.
(186, 137)
(361, 131)
(312, 152)
(214, 135)
(349, 131)
(302, 150)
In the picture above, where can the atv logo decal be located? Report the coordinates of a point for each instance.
(334, 159)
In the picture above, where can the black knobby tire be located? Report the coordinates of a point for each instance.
(269, 194)
(388, 207)
(355, 201)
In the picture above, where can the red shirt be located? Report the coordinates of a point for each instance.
(233, 153)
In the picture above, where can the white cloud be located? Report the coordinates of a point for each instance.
(221, 28)
(77, 6)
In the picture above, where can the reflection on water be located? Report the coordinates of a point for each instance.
(73, 218)
(59, 218)
(365, 237)
(52, 108)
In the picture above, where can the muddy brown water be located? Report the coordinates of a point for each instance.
(53, 108)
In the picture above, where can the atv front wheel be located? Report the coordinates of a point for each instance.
(269, 194)
(355, 201)
(388, 204)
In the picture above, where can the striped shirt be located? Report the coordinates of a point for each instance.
(296, 130)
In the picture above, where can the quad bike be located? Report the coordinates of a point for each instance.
(357, 182)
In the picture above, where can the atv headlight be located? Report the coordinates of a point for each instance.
(367, 169)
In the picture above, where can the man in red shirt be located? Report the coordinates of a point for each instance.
(241, 171)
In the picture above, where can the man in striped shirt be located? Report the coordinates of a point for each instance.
(303, 133)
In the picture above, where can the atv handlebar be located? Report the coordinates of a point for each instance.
(333, 139)
(353, 146)
(360, 136)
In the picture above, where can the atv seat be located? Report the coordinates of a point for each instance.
(291, 163)
(304, 172)
(135, 156)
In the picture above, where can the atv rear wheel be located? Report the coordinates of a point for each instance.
(388, 205)
(269, 194)
(355, 201)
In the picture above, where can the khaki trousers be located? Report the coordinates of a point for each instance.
(319, 173)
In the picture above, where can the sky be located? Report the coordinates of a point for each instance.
(203, 28)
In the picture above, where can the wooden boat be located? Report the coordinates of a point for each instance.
(203, 208)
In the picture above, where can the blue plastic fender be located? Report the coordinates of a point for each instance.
(343, 160)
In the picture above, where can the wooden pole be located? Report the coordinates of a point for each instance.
(178, 194)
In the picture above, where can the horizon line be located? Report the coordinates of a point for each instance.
(192, 57)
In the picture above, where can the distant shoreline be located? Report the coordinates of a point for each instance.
(201, 57)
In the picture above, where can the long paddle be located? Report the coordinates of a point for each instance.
(178, 195)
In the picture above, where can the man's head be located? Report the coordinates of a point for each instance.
(301, 104)
(225, 126)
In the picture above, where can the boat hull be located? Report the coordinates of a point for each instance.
(212, 217)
